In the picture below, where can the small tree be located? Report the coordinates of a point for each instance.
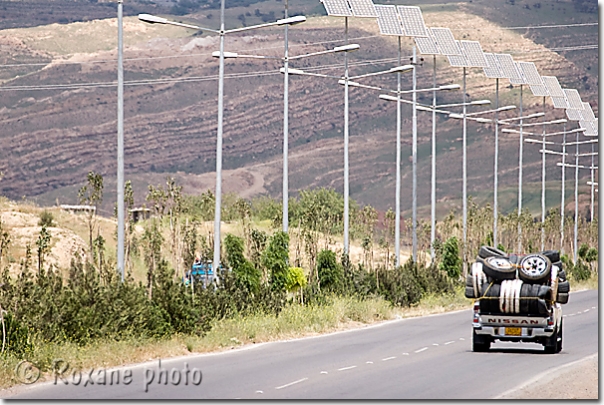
(330, 273)
(451, 261)
(5, 240)
(275, 258)
(247, 277)
(46, 219)
(92, 194)
(43, 244)
(296, 281)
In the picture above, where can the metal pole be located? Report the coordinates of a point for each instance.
(591, 218)
(397, 229)
(543, 184)
(563, 196)
(285, 127)
(520, 179)
(346, 189)
(433, 177)
(464, 174)
(120, 140)
(576, 198)
(495, 179)
(218, 197)
(414, 155)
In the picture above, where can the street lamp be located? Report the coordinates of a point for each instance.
(120, 141)
(222, 32)
(398, 100)
(346, 82)
(286, 70)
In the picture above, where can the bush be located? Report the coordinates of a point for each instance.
(329, 271)
(451, 261)
(46, 219)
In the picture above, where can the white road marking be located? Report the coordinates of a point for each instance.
(323, 372)
(449, 342)
(563, 316)
(587, 310)
(593, 307)
(421, 350)
(579, 313)
(570, 315)
(346, 368)
(434, 344)
(292, 383)
(389, 358)
(259, 392)
(370, 362)
(405, 354)
(461, 339)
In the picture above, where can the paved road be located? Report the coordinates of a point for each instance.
(418, 358)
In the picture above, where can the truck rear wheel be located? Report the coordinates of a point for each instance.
(553, 344)
(480, 343)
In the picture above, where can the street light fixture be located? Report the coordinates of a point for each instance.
(148, 18)
(286, 70)
(346, 82)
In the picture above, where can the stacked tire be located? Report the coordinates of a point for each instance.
(517, 284)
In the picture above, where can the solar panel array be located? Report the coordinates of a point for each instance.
(539, 90)
(506, 62)
(574, 99)
(408, 21)
(426, 46)
(388, 20)
(574, 115)
(532, 76)
(521, 78)
(474, 54)
(553, 86)
(362, 8)
(413, 21)
(337, 8)
(493, 71)
(445, 41)
(559, 102)
(588, 113)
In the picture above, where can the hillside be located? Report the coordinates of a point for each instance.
(59, 106)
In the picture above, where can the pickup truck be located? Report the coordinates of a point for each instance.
(517, 298)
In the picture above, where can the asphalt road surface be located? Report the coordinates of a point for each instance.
(416, 358)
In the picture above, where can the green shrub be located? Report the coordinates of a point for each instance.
(46, 219)
(330, 272)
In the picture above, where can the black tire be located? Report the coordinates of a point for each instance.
(553, 344)
(559, 345)
(489, 251)
(562, 298)
(534, 268)
(469, 281)
(563, 287)
(562, 275)
(552, 255)
(470, 292)
(498, 268)
(480, 343)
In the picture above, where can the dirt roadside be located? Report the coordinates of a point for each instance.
(577, 380)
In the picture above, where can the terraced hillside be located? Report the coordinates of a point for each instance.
(58, 106)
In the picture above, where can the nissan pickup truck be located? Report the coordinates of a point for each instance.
(517, 298)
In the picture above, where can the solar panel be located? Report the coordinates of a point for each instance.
(413, 22)
(474, 53)
(388, 20)
(362, 8)
(506, 62)
(445, 41)
(590, 128)
(426, 46)
(337, 8)
(588, 113)
(531, 74)
(560, 102)
(539, 90)
(458, 60)
(574, 115)
(521, 79)
(493, 71)
(574, 99)
(554, 88)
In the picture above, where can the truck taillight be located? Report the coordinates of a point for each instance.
(550, 321)
(476, 312)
